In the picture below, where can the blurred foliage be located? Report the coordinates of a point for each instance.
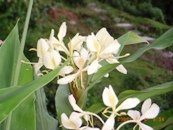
(140, 74)
(138, 8)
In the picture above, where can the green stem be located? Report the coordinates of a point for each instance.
(14, 82)
(17, 72)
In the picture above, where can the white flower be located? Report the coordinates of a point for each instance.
(102, 43)
(93, 67)
(149, 111)
(58, 44)
(42, 47)
(80, 60)
(110, 100)
(47, 56)
(52, 59)
(62, 31)
(76, 42)
(104, 47)
(74, 122)
(109, 124)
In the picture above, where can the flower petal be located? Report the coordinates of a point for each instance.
(146, 105)
(128, 104)
(93, 67)
(42, 47)
(121, 69)
(73, 104)
(112, 60)
(151, 113)
(52, 59)
(66, 70)
(75, 118)
(66, 122)
(92, 43)
(111, 48)
(76, 42)
(52, 40)
(62, 31)
(67, 79)
(109, 97)
(135, 115)
(109, 124)
(144, 127)
(104, 37)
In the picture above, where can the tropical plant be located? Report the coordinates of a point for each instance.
(78, 66)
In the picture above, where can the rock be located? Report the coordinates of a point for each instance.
(125, 25)
(95, 8)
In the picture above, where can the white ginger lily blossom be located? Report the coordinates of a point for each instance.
(104, 47)
(76, 42)
(47, 55)
(111, 101)
(75, 119)
(58, 43)
(74, 122)
(148, 111)
(85, 114)
(80, 60)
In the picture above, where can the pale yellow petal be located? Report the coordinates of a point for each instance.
(121, 69)
(109, 124)
(151, 113)
(74, 104)
(109, 97)
(128, 104)
(42, 47)
(135, 115)
(146, 105)
(93, 67)
(62, 31)
(67, 79)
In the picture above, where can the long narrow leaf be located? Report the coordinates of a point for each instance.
(150, 92)
(61, 101)
(44, 120)
(130, 38)
(162, 42)
(9, 53)
(11, 98)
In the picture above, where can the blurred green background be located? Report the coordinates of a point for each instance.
(148, 18)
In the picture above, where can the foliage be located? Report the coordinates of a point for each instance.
(18, 89)
(138, 8)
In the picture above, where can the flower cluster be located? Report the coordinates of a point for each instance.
(110, 100)
(84, 54)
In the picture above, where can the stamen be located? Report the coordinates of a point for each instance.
(32, 49)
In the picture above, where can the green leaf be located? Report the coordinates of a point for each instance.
(9, 53)
(100, 74)
(130, 38)
(96, 108)
(44, 120)
(61, 101)
(162, 42)
(12, 97)
(20, 119)
(150, 92)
